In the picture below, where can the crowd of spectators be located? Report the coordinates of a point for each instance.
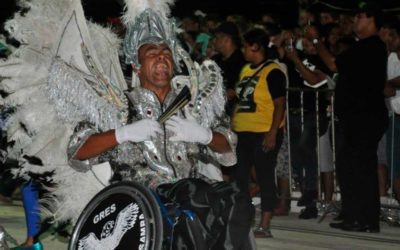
(311, 55)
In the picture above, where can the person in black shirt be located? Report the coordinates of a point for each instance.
(229, 58)
(363, 118)
(314, 74)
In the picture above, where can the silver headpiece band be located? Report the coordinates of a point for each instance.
(149, 27)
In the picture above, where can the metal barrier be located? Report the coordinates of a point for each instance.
(390, 212)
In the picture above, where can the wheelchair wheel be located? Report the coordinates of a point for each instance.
(250, 243)
(122, 216)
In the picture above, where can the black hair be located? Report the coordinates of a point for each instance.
(326, 29)
(213, 17)
(372, 9)
(257, 36)
(232, 30)
(391, 22)
(377, 17)
(273, 29)
(333, 13)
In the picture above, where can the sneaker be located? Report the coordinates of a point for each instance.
(310, 212)
(36, 246)
(261, 232)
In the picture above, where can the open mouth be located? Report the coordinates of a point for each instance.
(162, 70)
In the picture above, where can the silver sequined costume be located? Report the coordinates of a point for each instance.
(160, 160)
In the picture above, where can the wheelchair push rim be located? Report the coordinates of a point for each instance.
(124, 215)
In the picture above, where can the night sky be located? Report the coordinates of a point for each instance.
(7, 8)
(252, 9)
(98, 10)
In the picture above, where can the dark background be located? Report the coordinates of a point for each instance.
(252, 9)
(98, 10)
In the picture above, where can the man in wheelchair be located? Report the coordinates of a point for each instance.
(175, 138)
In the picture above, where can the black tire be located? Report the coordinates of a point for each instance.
(94, 222)
(196, 233)
(187, 233)
(250, 244)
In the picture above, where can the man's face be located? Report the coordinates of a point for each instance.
(220, 39)
(309, 47)
(276, 40)
(334, 35)
(346, 23)
(305, 18)
(248, 52)
(394, 41)
(326, 18)
(211, 25)
(190, 25)
(156, 69)
(362, 23)
(384, 34)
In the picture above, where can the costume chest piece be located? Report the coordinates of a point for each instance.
(160, 153)
(145, 103)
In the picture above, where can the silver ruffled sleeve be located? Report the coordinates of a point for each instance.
(222, 125)
(228, 158)
(82, 132)
(208, 166)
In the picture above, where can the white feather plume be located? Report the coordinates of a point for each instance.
(35, 127)
(133, 8)
(37, 26)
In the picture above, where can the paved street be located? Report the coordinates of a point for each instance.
(289, 233)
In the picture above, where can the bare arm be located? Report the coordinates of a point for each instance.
(312, 77)
(96, 144)
(389, 90)
(326, 56)
(391, 86)
(219, 143)
(277, 118)
(395, 82)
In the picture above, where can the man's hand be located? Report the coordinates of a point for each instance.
(269, 141)
(389, 90)
(291, 54)
(188, 130)
(231, 94)
(138, 131)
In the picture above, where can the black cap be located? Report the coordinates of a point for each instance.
(371, 8)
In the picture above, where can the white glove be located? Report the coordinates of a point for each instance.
(138, 131)
(188, 130)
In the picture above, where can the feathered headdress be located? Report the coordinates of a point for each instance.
(148, 21)
(133, 9)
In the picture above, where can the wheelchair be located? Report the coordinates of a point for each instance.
(127, 215)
